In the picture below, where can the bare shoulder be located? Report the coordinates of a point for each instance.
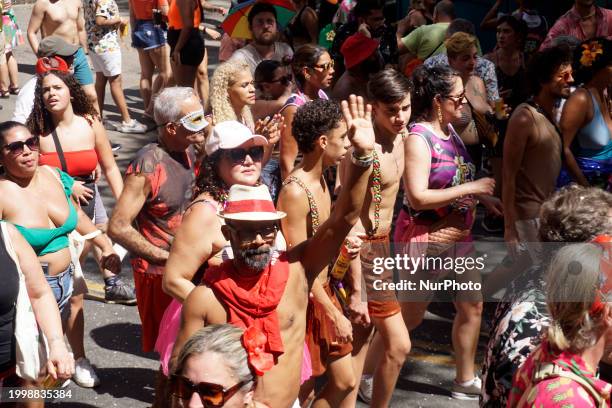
(290, 194)
(202, 210)
(200, 300)
(41, 5)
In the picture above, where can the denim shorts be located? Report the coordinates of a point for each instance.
(271, 177)
(61, 285)
(147, 36)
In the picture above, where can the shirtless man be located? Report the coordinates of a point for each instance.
(64, 18)
(532, 139)
(389, 92)
(321, 137)
(295, 270)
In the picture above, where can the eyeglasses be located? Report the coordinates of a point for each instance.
(211, 395)
(324, 67)
(238, 155)
(457, 99)
(194, 121)
(16, 148)
(284, 80)
(267, 233)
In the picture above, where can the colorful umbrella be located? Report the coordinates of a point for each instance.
(236, 24)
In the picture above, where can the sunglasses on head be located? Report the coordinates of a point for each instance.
(238, 155)
(211, 395)
(18, 147)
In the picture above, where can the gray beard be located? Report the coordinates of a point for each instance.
(255, 259)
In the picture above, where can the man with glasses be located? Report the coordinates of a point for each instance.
(157, 189)
(258, 289)
(263, 26)
(533, 150)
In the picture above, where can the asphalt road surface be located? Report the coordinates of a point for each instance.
(112, 333)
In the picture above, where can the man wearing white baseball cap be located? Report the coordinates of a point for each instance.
(157, 189)
(255, 290)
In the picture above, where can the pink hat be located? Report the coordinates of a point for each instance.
(357, 48)
(248, 203)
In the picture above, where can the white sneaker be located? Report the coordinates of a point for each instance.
(468, 392)
(365, 388)
(132, 127)
(84, 374)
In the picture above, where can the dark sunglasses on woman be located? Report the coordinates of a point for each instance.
(284, 80)
(238, 155)
(16, 148)
(211, 395)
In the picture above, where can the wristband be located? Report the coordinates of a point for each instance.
(365, 161)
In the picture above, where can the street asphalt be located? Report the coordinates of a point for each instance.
(112, 337)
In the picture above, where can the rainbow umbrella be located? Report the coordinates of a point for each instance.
(236, 24)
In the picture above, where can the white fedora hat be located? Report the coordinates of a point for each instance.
(248, 203)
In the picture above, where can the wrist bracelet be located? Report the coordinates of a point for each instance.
(365, 161)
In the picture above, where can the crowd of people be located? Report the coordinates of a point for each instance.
(256, 220)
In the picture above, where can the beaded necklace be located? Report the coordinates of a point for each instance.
(314, 211)
(376, 192)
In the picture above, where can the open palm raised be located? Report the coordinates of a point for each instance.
(358, 117)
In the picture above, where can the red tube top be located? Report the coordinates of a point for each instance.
(79, 162)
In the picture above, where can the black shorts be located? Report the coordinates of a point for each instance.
(192, 53)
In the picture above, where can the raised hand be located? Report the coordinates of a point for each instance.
(358, 117)
(270, 128)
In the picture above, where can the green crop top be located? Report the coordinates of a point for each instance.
(49, 240)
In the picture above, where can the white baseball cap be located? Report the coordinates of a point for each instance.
(229, 135)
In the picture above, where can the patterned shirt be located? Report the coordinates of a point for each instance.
(101, 39)
(569, 24)
(484, 68)
(520, 319)
(171, 190)
(556, 391)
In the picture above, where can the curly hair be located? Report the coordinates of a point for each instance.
(314, 119)
(575, 214)
(40, 121)
(224, 77)
(208, 180)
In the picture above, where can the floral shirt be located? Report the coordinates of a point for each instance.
(484, 68)
(556, 391)
(101, 39)
(520, 319)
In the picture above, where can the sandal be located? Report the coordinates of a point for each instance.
(4, 94)
(14, 90)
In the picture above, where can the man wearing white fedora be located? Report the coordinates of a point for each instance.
(270, 296)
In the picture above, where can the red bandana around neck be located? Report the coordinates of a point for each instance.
(252, 300)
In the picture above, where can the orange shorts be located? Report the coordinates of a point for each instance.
(152, 303)
(381, 303)
(320, 335)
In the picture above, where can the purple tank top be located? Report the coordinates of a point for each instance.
(451, 164)
(298, 99)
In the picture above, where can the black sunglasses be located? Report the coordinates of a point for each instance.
(211, 395)
(17, 147)
(238, 155)
(284, 80)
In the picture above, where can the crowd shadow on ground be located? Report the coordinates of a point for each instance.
(123, 337)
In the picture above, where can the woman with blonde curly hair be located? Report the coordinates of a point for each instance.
(232, 93)
(562, 370)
